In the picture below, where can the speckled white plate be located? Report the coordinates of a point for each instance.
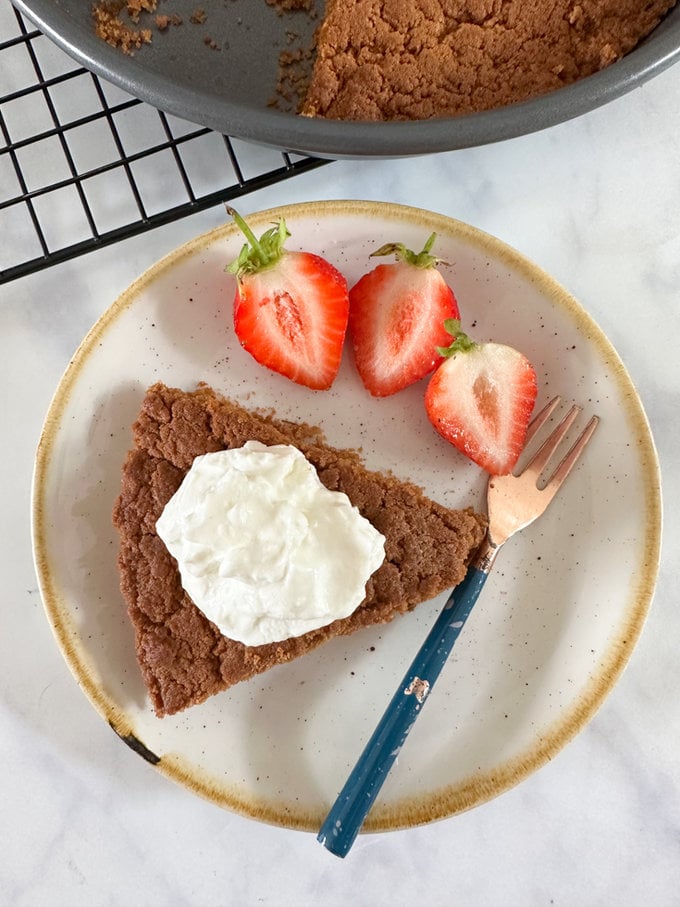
(557, 620)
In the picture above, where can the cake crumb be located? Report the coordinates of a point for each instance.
(292, 79)
(164, 22)
(286, 6)
(110, 26)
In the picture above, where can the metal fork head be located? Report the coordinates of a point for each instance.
(515, 501)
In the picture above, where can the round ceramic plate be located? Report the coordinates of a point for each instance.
(558, 618)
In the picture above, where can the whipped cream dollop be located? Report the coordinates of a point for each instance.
(264, 549)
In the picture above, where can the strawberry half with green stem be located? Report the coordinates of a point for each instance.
(480, 399)
(396, 319)
(290, 309)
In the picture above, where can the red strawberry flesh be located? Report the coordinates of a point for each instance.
(480, 399)
(396, 320)
(290, 308)
(292, 318)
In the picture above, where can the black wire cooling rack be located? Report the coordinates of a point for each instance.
(117, 167)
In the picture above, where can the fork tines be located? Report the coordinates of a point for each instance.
(539, 461)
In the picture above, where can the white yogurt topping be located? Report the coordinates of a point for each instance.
(264, 549)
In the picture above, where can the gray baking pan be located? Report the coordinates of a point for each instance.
(230, 85)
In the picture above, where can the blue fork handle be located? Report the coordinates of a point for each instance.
(344, 821)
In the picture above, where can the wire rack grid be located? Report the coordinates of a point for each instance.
(116, 166)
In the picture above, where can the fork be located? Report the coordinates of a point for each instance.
(513, 502)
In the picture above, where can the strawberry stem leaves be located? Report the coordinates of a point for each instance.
(257, 254)
(461, 343)
(422, 259)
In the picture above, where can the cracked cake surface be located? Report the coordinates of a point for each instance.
(416, 59)
(183, 657)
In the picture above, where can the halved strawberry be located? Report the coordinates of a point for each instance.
(290, 308)
(480, 399)
(396, 319)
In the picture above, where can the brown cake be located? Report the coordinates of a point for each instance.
(183, 657)
(415, 59)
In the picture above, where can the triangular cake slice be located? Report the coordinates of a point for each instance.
(183, 657)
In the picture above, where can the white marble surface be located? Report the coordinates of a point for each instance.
(85, 821)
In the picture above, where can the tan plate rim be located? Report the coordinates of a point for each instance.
(445, 801)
